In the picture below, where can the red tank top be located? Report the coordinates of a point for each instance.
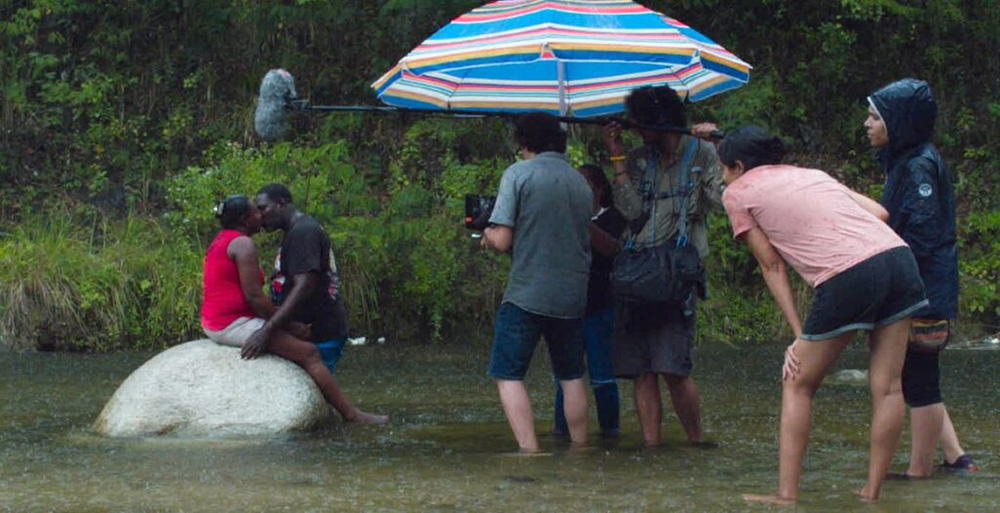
(223, 300)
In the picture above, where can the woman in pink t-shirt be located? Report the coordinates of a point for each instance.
(234, 305)
(864, 276)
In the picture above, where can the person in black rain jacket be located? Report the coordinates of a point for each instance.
(921, 204)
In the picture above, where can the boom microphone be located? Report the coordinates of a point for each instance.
(277, 97)
(277, 91)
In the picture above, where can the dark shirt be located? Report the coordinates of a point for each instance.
(305, 248)
(599, 287)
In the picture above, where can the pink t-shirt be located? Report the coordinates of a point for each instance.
(810, 219)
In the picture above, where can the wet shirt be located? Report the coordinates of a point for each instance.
(305, 248)
(549, 205)
(810, 219)
(705, 178)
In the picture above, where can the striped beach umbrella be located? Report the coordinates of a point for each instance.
(579, 57)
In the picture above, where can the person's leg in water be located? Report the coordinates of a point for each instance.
(648, 407)
(599, 332)
(307, 355)
(953, 451)
(885, 368)
(566, 343)
(517, 407)
(516, 335)
(926, 423)
(815, 359)
(921, 393)
(598, 329)
(687, 404)
(575, 409)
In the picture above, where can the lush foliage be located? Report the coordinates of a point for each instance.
(121, 122)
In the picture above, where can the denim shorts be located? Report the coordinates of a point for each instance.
(517, 334)
(331, 351)
(873, 293)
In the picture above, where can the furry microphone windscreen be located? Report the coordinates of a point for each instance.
(271, 118)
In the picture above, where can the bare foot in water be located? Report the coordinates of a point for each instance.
(865, 496)
(360, 417)
(527, 453)
(768, 499)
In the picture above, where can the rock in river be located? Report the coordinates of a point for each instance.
(202, 389)
(857, 377)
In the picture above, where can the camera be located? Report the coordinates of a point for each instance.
(478, 209)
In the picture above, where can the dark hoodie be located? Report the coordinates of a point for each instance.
(918, 193)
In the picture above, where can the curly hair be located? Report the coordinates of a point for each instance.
(538, 132)
(656, 106)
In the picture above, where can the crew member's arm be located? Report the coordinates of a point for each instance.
(775, 273)
(870, 205)
(920, 223)
(498, 237)
(627, 199)
(302, 286)
(602, 242)
(244, 253)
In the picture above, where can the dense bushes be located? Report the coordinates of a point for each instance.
(121, 122)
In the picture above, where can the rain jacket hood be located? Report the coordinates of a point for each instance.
(918, 194)
(909, 111)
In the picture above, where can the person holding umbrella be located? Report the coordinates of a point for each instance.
(654, 340)
(921, 205)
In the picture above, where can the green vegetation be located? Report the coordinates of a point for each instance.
(121, 123)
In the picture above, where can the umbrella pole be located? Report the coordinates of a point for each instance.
(304, 105)
(561, 74)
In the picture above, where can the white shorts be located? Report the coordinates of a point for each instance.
(237, 333)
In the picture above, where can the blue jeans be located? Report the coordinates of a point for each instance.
(598, 331)
(331, 351)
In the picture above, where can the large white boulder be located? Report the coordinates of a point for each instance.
(202, 389)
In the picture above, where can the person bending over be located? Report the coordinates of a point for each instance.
(235, 310)
(864, 276)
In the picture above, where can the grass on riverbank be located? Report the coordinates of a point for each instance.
(70, 284)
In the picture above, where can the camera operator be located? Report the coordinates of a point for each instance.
(541, 216)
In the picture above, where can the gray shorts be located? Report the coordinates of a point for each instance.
(662, 347)
(237, 333)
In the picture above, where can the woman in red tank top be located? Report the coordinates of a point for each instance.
(234, 305)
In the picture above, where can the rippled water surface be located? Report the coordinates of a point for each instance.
(448, 447)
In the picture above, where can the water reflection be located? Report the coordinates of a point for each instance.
(449, 448)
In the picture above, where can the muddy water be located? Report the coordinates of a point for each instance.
(448, 447)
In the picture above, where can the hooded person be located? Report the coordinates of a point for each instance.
(919, 198)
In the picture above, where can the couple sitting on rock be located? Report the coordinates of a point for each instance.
(309, 325)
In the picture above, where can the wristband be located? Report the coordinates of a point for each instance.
(617, 158)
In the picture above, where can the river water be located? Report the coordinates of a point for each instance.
(448, 447)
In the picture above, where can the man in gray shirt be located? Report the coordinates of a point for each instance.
(541, 216)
